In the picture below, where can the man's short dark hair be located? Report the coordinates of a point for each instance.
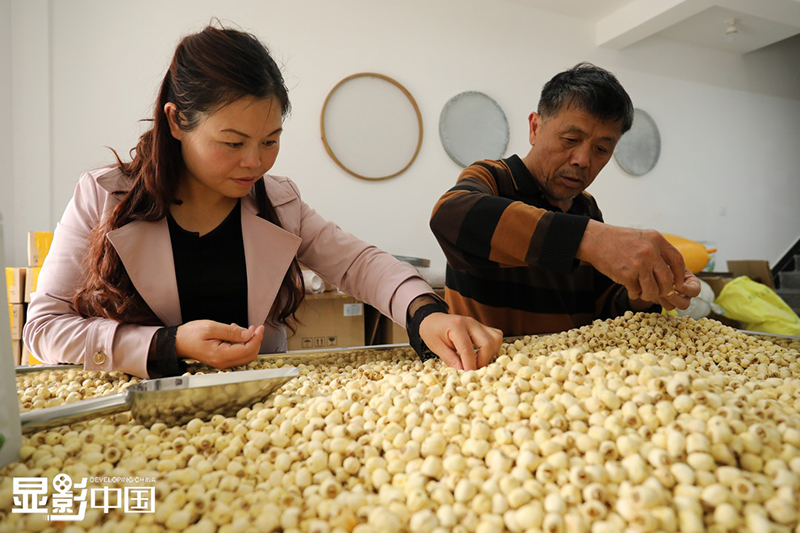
(590, 88)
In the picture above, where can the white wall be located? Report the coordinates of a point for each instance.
(6, 169)
(31, 126)
(729, 124)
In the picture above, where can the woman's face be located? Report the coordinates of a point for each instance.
(230, 148)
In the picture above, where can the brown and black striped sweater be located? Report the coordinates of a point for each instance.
(511, 254)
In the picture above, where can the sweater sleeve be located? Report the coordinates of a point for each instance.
(476, 227)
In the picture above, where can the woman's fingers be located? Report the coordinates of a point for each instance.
(487, 340)
(471, 335)
(450, 358)
(462, 342)
(252, 346)
(258, 336)
(227, 332)
(454, 339)
(227, 354)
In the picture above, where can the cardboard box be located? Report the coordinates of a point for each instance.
(716, 280)
(16, 352)
(38, 246)
(31, 281)
(16, 314)
(328, 320)
(758, 271)
(391, 333)
(15, 285)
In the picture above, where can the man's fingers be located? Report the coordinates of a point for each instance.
(691, 285)
(634, 290)
(664, 278)
(678, 300)
(649, 287)
(675, 262)
(665, 303)
(675, 300)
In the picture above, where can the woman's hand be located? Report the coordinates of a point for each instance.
(454, 339)
(218, 345)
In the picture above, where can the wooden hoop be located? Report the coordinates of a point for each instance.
(405, 92)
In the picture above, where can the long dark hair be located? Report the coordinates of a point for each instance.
(209, 70)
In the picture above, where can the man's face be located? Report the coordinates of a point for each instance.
(568, 150)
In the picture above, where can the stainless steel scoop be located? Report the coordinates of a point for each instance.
(173, 401)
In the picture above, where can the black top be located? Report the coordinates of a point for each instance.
(211, 274)
(211, 271)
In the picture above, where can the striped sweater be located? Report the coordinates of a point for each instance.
(511, 254)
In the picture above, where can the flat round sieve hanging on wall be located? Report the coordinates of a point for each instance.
(638, 150)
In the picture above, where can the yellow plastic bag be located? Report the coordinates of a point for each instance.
(758, 307)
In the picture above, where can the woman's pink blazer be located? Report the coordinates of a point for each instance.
(54, 332)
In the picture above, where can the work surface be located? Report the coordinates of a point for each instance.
(650, 422)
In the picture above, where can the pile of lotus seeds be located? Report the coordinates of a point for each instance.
(640, 423)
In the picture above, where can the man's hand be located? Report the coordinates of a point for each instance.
(218, 345)
(643, 261)
(682, 299)
(454, 339)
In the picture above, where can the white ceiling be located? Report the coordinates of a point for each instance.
(581, 9)
(620, 23)
(708, 27)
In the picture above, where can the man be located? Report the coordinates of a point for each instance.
(527, 250)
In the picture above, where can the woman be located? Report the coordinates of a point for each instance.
(158, 259)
